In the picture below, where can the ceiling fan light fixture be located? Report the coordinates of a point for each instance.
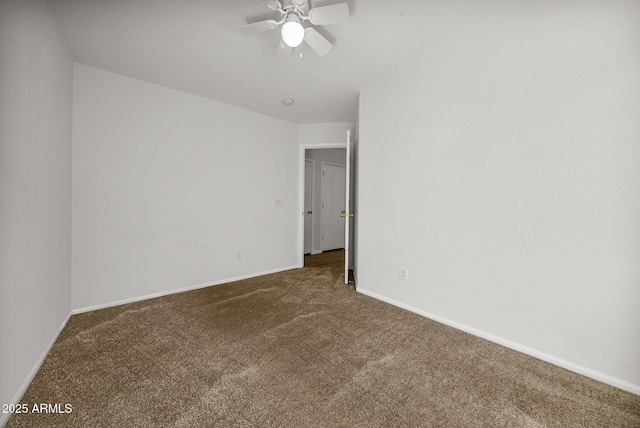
(293, 14)
(292, 33)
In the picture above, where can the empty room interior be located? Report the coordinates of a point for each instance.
(469, 170)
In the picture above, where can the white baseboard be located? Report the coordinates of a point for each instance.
(4, 418)
(178, 290)
(576, 368)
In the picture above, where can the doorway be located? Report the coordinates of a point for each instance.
(324, 175)
(306, 152)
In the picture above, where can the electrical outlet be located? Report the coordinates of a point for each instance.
(403, 273)
(238, 256)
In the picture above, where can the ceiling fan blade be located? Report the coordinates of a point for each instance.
(330, 15)
(284, 50)
(258, 27)
(272, 4)
(317, 42)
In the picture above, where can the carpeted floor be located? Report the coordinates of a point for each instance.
(298, 349)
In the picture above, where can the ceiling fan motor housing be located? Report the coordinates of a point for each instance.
(299, 5)
(293, 15)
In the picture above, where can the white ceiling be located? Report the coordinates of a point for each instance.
(195, 46)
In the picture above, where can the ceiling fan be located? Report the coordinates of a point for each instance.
(293, 13)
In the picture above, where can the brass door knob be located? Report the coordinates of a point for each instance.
(309, 212)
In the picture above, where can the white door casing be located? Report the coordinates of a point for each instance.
(348, 213)
(308, 204)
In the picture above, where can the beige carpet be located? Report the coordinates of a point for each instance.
(299, 349)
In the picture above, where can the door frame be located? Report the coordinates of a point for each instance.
(309, 188)
(301, 159)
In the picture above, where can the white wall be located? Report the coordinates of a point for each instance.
(504, 171)
(35, 190)
(334, 132)
(168, 187)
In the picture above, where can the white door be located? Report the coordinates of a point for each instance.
(333, 198)
(348, 213)
(308, 205)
